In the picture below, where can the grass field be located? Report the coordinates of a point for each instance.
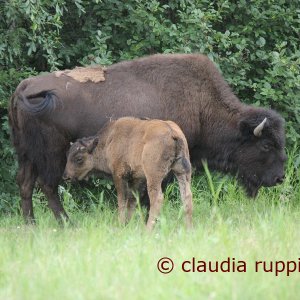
(96, 258)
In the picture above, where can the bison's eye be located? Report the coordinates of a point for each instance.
(266, 147)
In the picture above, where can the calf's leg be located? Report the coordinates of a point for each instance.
(156, 201)
(184, 181)
(121, 185)
(131, 205)
(26, 178)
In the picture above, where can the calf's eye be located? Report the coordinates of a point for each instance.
(79, 160)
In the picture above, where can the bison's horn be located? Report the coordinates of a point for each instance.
(71, 143)
(259, 128)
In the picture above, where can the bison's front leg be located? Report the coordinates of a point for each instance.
(26, 179)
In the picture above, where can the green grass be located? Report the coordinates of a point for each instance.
(96, 258)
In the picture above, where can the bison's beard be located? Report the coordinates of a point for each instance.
(251, 189)
(251, 184)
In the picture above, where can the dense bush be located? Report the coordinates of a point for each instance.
(255, 44)
(9, 79)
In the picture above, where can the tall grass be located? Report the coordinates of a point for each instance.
(96, 258)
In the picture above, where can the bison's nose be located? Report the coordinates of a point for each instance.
(279, 179)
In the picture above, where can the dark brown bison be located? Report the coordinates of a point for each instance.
(136, 153)
(49, 111)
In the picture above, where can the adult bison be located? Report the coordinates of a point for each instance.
(48, 111)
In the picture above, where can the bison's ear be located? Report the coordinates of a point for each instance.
(246, 128)
(92, 145)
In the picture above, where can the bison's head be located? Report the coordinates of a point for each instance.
(260, 155)
(80, 160)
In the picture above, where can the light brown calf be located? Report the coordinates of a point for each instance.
(135, 152)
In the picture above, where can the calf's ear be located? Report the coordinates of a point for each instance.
(92, 145)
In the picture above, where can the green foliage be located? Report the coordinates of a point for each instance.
(254, 43)
(9, 79)
(8, 167)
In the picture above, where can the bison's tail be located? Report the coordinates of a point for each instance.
(47, 102)
(20, 103)
(31, 140)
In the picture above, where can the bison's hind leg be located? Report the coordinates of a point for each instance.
(26, 178)
(54, 203)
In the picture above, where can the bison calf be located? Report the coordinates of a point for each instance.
(135, 152)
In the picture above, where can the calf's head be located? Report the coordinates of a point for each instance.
(80, 159)
(260, 156)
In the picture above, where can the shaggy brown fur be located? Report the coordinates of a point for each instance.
(47, 112)
(134, 151)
